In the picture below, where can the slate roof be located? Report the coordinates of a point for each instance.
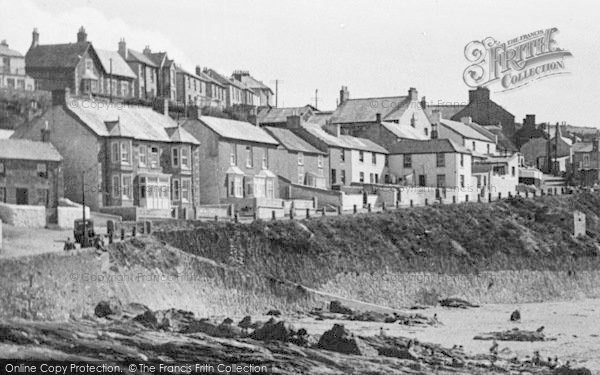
(431, 146)
(464, 130)
(5, 51)
(403, 131)
(56, 55)
(365, 109)
(321, 117)
(343, 141)
(180, 135)
(503, 140)
(125, 121)
(253, 83)
(24, 149)
(446, 111)
(133, 55)
(582, 147)
(239, 130)
(157, 57)
(481, 168)
(291, 141)
(275, 115)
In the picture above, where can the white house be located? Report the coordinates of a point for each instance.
(466, 133)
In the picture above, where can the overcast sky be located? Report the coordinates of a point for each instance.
(376, 48)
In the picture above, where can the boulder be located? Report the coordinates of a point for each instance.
(172, 319)
(340, 340)
(515, 316)
(273, 331)
(456, 303)
(107, 308)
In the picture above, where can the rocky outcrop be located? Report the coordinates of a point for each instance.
(340, 340)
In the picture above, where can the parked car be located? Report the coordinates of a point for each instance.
(78, 230)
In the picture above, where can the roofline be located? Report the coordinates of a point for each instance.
(464, 136)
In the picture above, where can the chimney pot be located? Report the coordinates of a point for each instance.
(378, 118)
(35, 37)
(413, 94)
(344, 94)
(466, 120)
(123, 49)
(81, 35)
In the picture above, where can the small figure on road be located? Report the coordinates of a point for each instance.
(69, 245)
(515, 316)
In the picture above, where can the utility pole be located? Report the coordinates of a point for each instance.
(316, 98)
(84, 240)
(277, 82)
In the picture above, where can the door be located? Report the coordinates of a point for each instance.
(422, 181)
(22, 196)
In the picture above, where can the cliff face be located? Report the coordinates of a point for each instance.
(511, 251)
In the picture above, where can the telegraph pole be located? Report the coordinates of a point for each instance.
(277, 82)
(316, 98)
(111, 82)
(84, 240)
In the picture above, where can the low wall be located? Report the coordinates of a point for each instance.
(23, 215)
(216, 210)
(68, 215)
(324, 197)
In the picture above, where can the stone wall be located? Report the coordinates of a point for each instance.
(23, 215)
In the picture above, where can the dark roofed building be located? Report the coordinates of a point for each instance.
(79, 67)
(272, 116)
(264, 92)
(12, 69)
(145, 85)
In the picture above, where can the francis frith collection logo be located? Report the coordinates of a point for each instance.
(515, 63)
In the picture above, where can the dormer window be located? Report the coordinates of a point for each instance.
(413, 121)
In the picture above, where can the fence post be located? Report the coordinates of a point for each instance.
(355, 209)
(110, 230)
(526, 194)
(478, 198)
(273, 215)
(489, 197)
(509, 194)
(426, 202)
(122, 234)
(314, 202)
(0, 234)
(383, 206)
(216, 218)
(454, 199)
(499, 195)
(292, 213)
(534, 193)
(369, 207)
(149, 227)
(134, 230)
(339, 210)
(308, 213)
(236, 218)
(411, 202)
(466, 197)
(324, 213)
(255, 215)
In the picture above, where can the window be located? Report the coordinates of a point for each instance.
(373, 158)
(478, 182)
(42, 170)
(440, 180)
(232, 154)
(499, 169)
(586, 159)
(176, 190)
(186, 185)
(488, 148)
(115, 156)
(342, 156)
(376, 178)
(185, 157)
(3, 194)
(333, 176)
(265, 159)
(426, 130)
(42, 197)
(361, 156)
(153, 157)
(413, 121)
(462, 180)
(142, 155)
(2, 171)
(300, 158)
(89, 64)
(124, 89)
(270, 186)
(343, 176)
(320, 161)
(386, 160)
(125, 152)
(126, 187)
(175, 156)
(408, 161)
(462, 160)
(300, 176)
(372, 178)
(361, 177)
(115, 186)
(512, 171)
(249, 157)
(440, 160)
(474, 146)
(235, 186)
(422, 180)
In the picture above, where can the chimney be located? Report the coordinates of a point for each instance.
(529, 121)
(344, 94)
(81, 35)
(378, 118)
(423, 103)
(466, 120)
(479, 95)
(293, 122)
(3, 43)
(333, 129)
(436, 116)
(35, 38)
(198, 70)
(147, 50)
(61, 97)
(123, 48)
(46, 133)
(413, 94)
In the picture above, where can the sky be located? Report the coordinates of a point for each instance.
(376, 48)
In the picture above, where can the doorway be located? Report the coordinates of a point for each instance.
(22, 196)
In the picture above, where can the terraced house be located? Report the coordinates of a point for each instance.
(80, 67)
(145, 85)
(136, 162)
(12, 69)
(236, 161)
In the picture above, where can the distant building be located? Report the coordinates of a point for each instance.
(191, 89)
(440, 163)
(278, 116)
(12, 69)
(586, 162)
(496, 175)
(237, 93)
(297, 160)
(30, 173)
(550, 155)
(352, 160)
(145, 85)
(80, 67)
(263, 92)
(467, 133)
(358, 117)
(215, 95)
(167, 75)
(529, 130)
(485, 111)
(236, 160)
(137, 162)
